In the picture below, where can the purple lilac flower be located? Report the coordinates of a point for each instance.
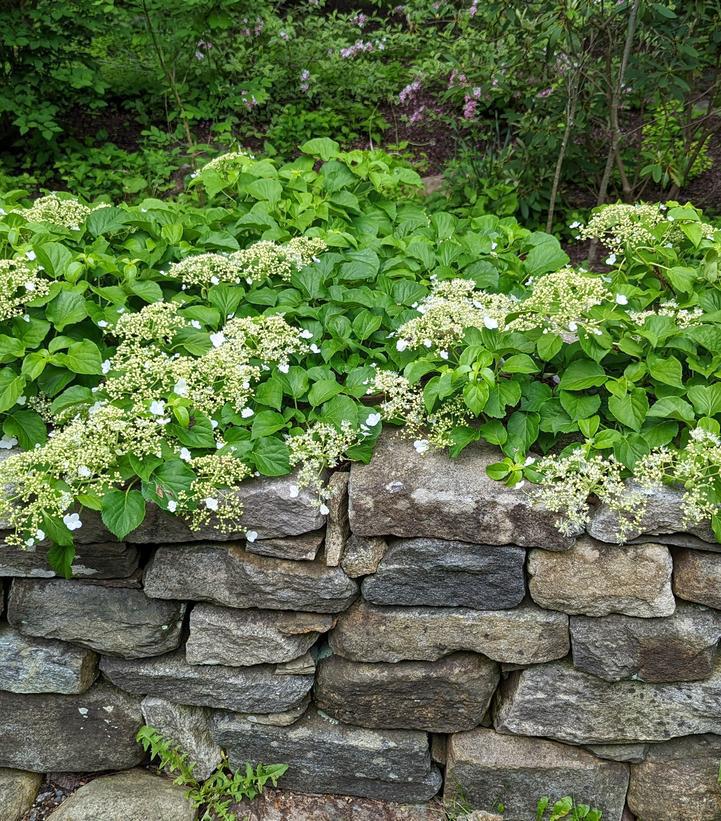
(358, 47)
(305, 80)
(545, 93)
(417, 115)
(473, 10)
(409, 91)
(470, 107)
(360, 20)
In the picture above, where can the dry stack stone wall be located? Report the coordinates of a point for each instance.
(435, 634)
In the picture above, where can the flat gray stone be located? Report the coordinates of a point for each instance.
(524, 635)
(678, 781)
(337, 529)
(136, 795)
(110, 560)
(403, 493)
(444, 696)
(241, 638)
(557, 701)
(441, 573)
(697, 577)
(111, 620)
(490, 769)
(17, 793)
(595, 579)
(259, 689)
(230, 576)
(32, 665)
(681, 647)
(295, 548)
(284, 719)
(626, 753)
(362, 555)
(268, 509)
(188, 728)
(325, 756)
(663, 517)
(80, 733)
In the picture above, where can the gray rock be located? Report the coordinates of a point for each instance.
(337, 530)
(257, 689)
(17, 793)
(269, 510)
(111, 560)
(136, 795)
(681, 647)
(284, 719)
(697, 577)
(626, 753)
(302, 666)
(492, 769)
(362, 555)
(524, 635)
(328, 757)
(444, 696)
(295, 548)
(558, 701)
(111, 620)
(80, 733)
(663, 517)
(229, 575)
(403, 493)
(32, 665)
(678, 781)
(241, 638)
(440, 573)
(595, 579)
(188, 728)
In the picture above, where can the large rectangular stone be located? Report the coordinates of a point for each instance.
(230, 576)
(487, 769)
(557, 701)
(524, 635)
(70, 733)
(32, 665)
(404, 493)
(697, 577)
(260, 689)
(241, 638)
(109, 560)
(112, 620)
(442, 573)
(328, 757)
(444, 696)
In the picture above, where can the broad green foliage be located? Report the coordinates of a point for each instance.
(566, 808)
(279, 315)
(216, 794)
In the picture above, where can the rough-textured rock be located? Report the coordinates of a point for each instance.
(681, 647)
(110, 560)
(80, 733)
(285, 805)
(362, 555)
(222, 635)
(284, 719)
(231, 576)
(403, 493)
(136, 795)
(524, 635)
(697, 577)
(595, 579)
(444, 696)
(257, 689)
(295, 548)
(337, 529)
(17, 793)
(663, 516)
(111, 620)
(558, 701)
(187, 727)
(268, 509)
(490, 769)
(329, 757)
(441, 573)
(678, 781)
(626, 753)
(32, 665)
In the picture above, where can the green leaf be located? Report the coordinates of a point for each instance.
(81, 357)
(672, 407)
(106, 220)
(548, 345)
(582, 374)
(61, 557)
(630, 410)
(322, 147)
(475, 395)
(365, 324)
(267, 423)
(270, 190)
(519, 363)
(461, 437)
(270, 393)
(545, 257)
(11, 388)
(666, 369)
(271, 457)
(67, 308)
(147, 290)
(27, 427)
(74, 395)
(122, 511)
(522, 432)
(579, 406)
(323, 390)
(198, 435)
(498, 471)
(706, 399)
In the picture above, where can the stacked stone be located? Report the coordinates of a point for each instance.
(434, 632)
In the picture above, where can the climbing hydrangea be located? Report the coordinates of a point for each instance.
(20, 283)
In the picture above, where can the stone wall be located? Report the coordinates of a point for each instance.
(433, 634)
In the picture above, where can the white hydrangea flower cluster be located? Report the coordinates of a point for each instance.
(402, 402)
(20, 283)
(683, 317)
(213, 499)
(228, 162)
(65, 212)
(318, 448)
